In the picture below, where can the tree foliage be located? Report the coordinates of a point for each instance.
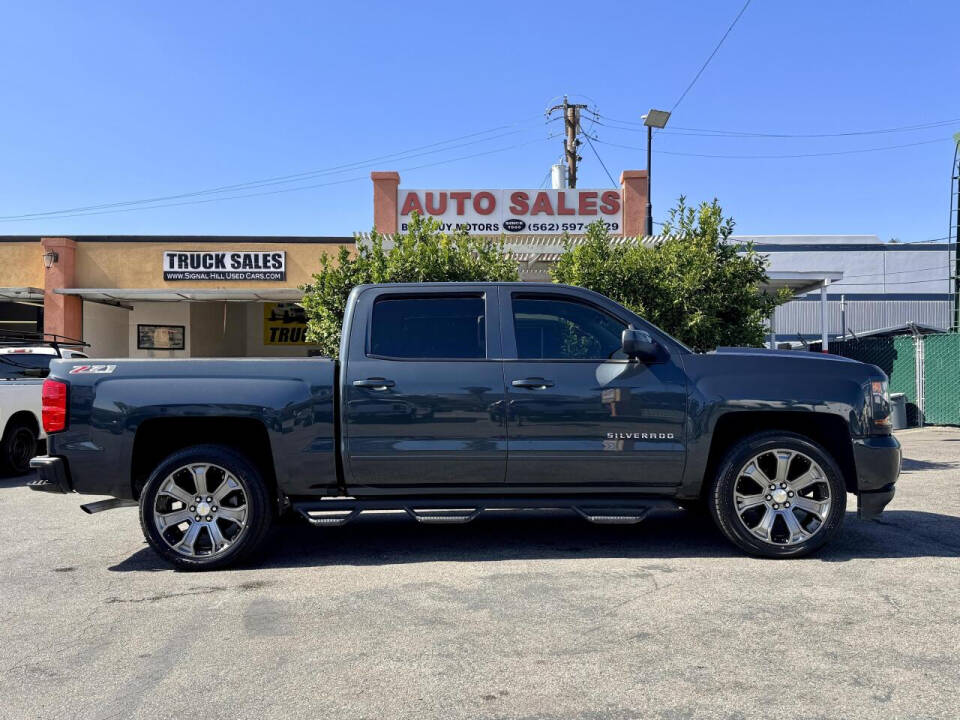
(423, 254)
(694, 284)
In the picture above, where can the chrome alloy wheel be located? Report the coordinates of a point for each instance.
(782, 497)
(200, 510)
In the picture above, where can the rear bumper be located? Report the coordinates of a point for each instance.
(878, 467)
(52, 475)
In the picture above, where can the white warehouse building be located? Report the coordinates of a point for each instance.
(881, 284)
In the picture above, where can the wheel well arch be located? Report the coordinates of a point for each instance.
(828, 430)
(25, 417)
(157, 438)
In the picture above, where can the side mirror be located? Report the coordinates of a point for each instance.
(638, 344)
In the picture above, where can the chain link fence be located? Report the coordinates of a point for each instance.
(941, 379)
(926, 369)
(897, 357)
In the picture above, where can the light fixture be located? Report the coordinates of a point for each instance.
(653, 119)
(50, 258)
(656, 118)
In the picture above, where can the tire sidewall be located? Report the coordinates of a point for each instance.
(259, 508)
(9, 461)
(722, 505)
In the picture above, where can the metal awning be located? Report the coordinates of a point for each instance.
(801, 282)
(19, 294)
(113, 296)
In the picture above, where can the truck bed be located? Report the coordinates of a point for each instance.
(290, 400)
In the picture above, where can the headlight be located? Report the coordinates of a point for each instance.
(879, 421)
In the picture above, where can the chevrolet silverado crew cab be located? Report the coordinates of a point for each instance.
(451, 399)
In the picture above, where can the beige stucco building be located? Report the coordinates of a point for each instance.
(119, 295)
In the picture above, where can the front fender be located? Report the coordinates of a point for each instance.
(807, 387)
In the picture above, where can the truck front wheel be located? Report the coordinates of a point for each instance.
(205, 507)
(778, 494)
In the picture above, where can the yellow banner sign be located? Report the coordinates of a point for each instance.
(284, 324)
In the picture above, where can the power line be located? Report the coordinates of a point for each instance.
(899, 282)
(403, 155)
(600, 160)
(545, 178)
(707, 61)
(704, 132)
(892, 272)
(285, 179)
(281, 190)
(773, 157)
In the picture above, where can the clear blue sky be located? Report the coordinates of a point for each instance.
(108, 102)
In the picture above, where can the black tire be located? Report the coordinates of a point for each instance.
(723, 506)
(19, 444)
(258, 507)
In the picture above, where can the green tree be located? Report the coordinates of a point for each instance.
(694, 283)
(423, 254)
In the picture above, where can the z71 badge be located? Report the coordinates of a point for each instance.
(92, 369)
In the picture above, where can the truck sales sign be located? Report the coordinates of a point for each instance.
(224, 265)
(539, 212)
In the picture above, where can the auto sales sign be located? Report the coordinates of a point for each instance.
(224, 265)
(537, 212)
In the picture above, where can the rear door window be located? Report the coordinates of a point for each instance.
(20, 366)
(437, 327)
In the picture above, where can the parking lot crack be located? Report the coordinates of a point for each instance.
(167, 596)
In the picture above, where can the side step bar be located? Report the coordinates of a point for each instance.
(613, 516)
(101, 505)
(336, 511)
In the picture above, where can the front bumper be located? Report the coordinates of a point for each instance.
(871, 504)
(878, 466)
(52, 474)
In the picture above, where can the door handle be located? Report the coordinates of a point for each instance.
(374, 383)
(534, 383)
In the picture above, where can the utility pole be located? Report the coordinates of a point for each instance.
(955, 232)
(571, 121)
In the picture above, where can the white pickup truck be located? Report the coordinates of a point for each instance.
(22, 370)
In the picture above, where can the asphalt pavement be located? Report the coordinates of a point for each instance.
(540, 616)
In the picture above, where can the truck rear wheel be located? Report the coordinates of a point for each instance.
(778, 494)
(205, 507)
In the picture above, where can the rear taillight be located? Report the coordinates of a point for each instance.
(53, 408)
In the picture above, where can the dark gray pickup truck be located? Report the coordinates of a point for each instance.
(449, 400)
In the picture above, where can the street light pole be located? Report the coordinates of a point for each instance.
(653, 119)
(649, 183)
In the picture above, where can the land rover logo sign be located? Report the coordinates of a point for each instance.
(220, 265)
